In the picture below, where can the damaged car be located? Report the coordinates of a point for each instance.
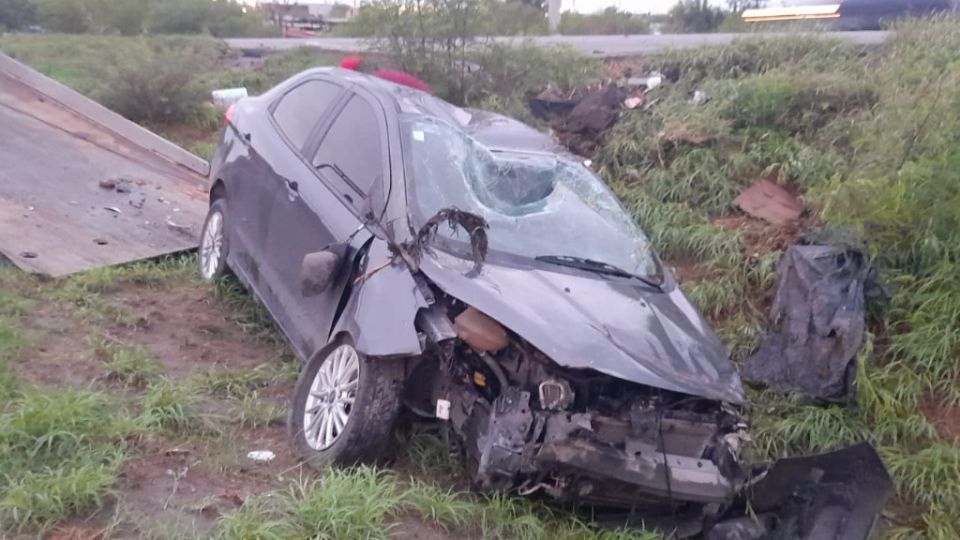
(461, 265)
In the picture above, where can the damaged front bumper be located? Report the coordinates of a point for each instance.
(687, 470)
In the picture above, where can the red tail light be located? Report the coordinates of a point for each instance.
(228, 116)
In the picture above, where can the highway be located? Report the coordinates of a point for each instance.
(602, 46)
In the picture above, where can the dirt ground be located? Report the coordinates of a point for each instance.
(174, 485)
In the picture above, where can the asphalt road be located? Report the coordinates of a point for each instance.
(591, 45)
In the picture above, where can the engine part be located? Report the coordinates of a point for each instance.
(555, 394)
(479, 331)
(503, 434)
(433, 322)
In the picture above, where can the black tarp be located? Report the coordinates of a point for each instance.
(817, 319)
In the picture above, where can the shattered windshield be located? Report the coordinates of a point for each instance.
(537, 205)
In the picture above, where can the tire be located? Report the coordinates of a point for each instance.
(365, 434)
(214, 245)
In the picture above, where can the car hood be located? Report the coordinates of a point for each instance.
(613, 326)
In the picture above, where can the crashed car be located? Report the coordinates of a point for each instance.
(460, 264)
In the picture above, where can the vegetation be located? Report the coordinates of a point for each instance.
(694, 16)
(868, 137)
(608, 21)
(163, 81)
(134, 17)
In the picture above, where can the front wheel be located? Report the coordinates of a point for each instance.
(213, 242)
(344, 406)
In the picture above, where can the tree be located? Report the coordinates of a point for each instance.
(739, 6)
(694, 16)
(16, 14)
(69, 16)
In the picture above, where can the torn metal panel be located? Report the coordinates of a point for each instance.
(382, 307)
(76, 194)
(832, 495)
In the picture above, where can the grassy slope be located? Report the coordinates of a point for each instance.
(871, 139)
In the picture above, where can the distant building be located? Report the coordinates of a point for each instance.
(302, 20)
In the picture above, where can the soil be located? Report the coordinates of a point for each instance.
(944, 417)
(171, 485)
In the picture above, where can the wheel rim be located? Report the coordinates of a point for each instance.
(211, 246)
(331, 397)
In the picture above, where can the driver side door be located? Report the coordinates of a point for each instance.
(347, 166)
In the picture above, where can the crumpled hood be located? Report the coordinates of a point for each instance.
(612, 326)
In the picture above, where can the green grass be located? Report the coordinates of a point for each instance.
(870, 138)
(127, 364)
(363, 502)
(170, 405)
(60, 453)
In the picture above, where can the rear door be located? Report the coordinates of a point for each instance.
(348, 158)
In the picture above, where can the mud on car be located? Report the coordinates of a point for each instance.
(461, 265)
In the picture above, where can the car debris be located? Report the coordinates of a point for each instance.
(550, 338)
(769, 201)
(816, 322)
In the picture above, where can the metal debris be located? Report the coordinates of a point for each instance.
(475, 226)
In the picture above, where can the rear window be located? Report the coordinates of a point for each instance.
(300, 109)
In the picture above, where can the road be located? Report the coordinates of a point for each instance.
(603, 46)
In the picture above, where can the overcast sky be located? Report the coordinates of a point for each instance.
(635, 6)
(584, 6)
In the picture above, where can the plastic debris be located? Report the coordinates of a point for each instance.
(262, 456)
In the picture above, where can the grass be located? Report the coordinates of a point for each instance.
(127, 364)
(869, 138)
(364, 502)
(61, 453)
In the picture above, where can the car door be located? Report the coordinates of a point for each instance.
(326, 209)
(275, 164)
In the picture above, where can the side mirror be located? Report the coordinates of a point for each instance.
(318, 271)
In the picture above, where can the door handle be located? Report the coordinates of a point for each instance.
(292, 185)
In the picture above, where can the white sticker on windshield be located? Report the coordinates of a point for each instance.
(418, 135)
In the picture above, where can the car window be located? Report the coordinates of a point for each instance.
(300, 109)
(535, 204)
(352, 145)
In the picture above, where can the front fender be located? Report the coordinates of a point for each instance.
(381, 309)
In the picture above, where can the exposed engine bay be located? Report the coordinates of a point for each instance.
(529, 425)
(579, 436)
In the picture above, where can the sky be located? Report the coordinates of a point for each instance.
(635, 6)
(586, 6)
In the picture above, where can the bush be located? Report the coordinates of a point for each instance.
(67, 16)
(609, 21)
(694, 16)
(16, 14)
(159, 84)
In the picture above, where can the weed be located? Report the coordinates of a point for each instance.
(252, 412)
(169, 405)
(60, 453)
(128, 364)
(237, 383)
(440, 506)
(252, 317)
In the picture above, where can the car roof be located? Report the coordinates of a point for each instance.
(496, 131)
